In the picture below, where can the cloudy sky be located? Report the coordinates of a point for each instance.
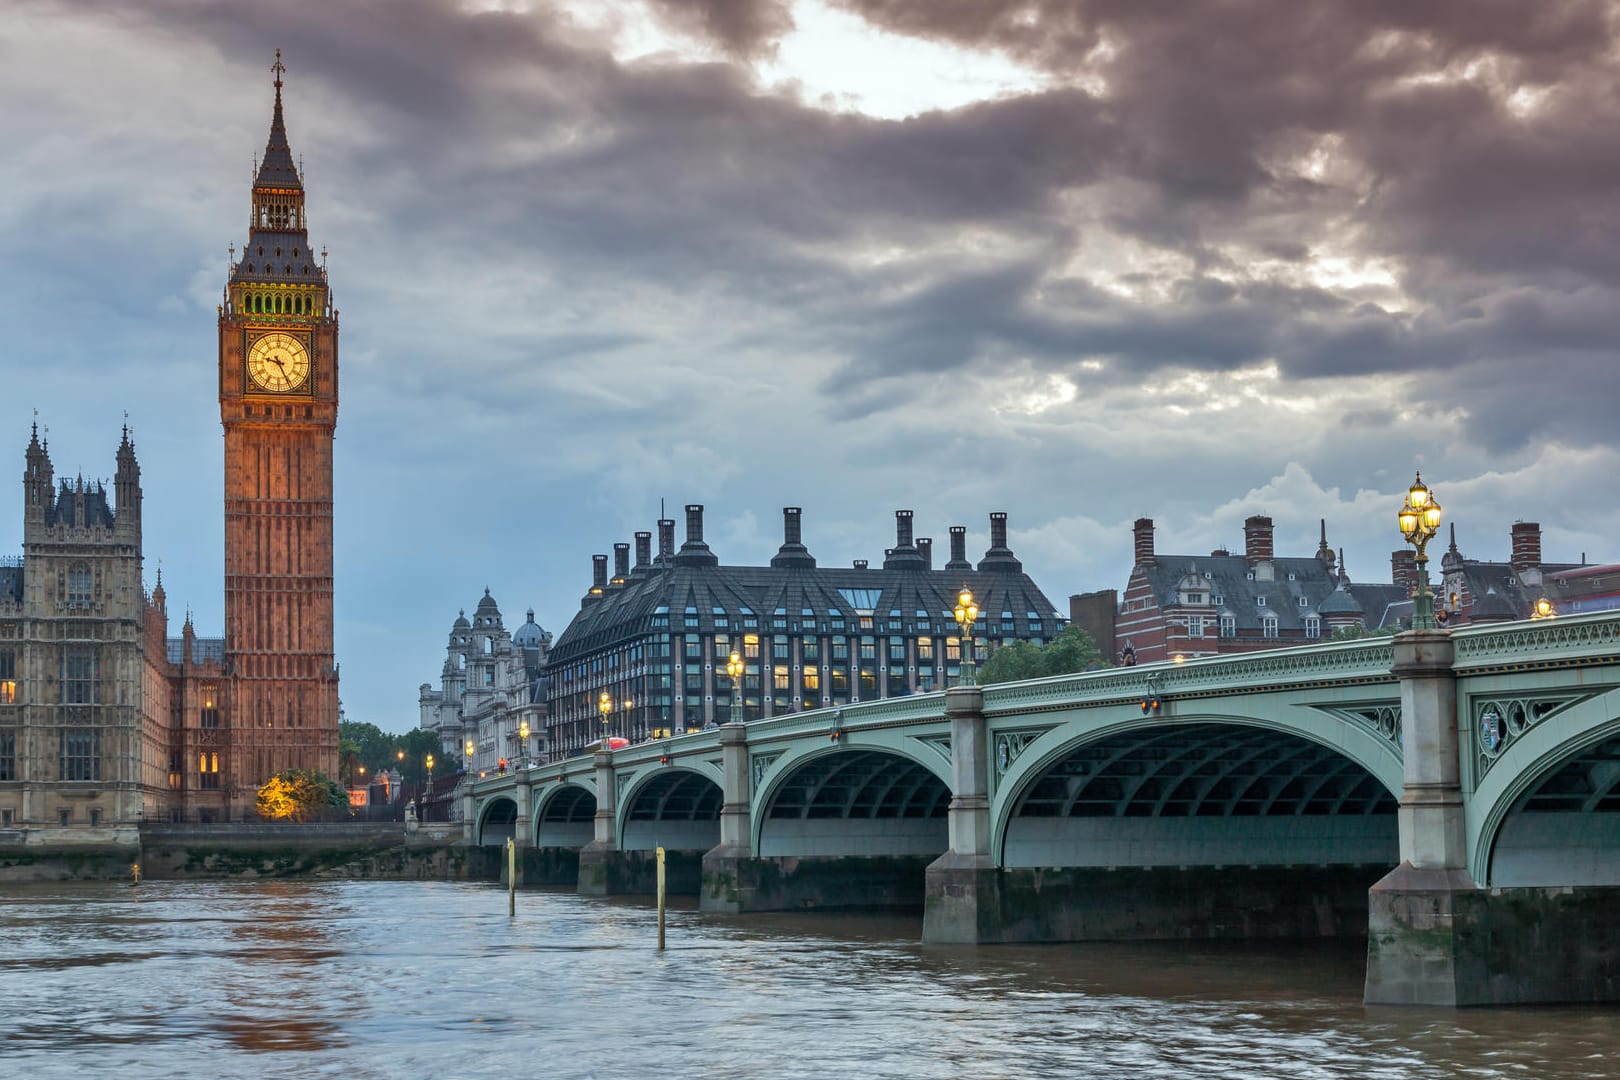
(1079, 260)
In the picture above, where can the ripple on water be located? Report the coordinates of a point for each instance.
(362, 979)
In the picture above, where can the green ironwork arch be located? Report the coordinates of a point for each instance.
(1354, 742)
(783, 769)
(1527, 762)
(488, 808)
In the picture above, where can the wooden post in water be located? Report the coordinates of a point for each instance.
(511, 876)
(660, 899)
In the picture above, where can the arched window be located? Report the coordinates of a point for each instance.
(78, 585)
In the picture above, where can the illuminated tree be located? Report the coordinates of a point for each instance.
(301, 794)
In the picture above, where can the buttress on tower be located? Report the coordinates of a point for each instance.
(278, 398)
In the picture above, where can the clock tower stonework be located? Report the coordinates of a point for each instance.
(278, 398)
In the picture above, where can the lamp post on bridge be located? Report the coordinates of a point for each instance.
(1419, 518)
(735, 668)
(966, 614)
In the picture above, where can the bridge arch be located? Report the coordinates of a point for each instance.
(673, 807)
(1548, 810)
(1203, 790)
(497, 821)
(565, 817)
(853, 801)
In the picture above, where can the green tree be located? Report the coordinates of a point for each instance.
(1070, 651)
(302, 795)
(418, 744)
(374, 747)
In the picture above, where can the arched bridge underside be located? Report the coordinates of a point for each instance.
(856, 802)
(1202, 794)
(498, 823)
(1565, 830)
(565, 818)
(676, 809)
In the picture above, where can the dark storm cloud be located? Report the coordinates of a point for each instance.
(741, 27)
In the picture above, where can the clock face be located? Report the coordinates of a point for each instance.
(278, 363)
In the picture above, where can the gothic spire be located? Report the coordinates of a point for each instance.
(278, 170)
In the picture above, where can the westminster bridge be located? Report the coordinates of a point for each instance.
(1455, 796)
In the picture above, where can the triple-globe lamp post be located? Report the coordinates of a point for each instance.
(1419, 518)
(735, 668)
(966, 613)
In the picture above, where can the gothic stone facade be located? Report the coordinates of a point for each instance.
(105, 720)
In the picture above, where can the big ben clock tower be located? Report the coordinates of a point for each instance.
(278, 397)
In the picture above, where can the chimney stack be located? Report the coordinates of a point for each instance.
(666, 540)
(598, 573)
(643, 552)
(925, 547)
(959, 559)
(792, 553)
(999, 557)
(1257, 539)
(904, 555)
(1143, 532)
(1526, 545)
(695, 552)
(1403, 569)
(621, 563)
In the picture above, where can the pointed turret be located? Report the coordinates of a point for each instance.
(127, 482)
(1324, 554)
(38, 478)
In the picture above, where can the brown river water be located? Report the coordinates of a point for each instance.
(406, 979)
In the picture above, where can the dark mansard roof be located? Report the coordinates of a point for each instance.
(628, 610)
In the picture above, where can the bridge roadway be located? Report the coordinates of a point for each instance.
(1455, 796)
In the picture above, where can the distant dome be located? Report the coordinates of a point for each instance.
(487, 611)
(530, 635)
(461, 622)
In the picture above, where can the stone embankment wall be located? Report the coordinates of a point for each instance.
(359, 850)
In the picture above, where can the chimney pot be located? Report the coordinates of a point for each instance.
(860, 564)
(598, 571)
(694, 523)
(925, 544)
(621, 562)
(1143, 533)
(643, 550)
(902, 529)
(792, 525)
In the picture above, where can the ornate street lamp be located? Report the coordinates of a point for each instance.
(604, 705)
(1419, 518)
(470, 747)
(967, 613)
(523, 744)
(735, 668)
(423, 799)
(1544, 609)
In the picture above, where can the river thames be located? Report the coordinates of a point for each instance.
(391, 979)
